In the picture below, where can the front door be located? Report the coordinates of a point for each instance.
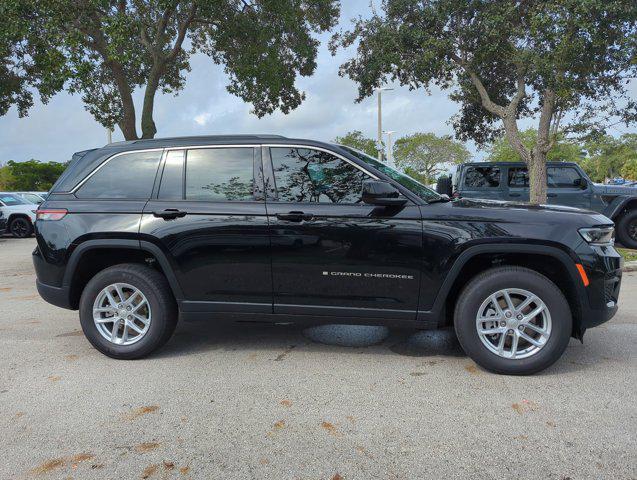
(331, 253)
(565, 187)
(209, 218)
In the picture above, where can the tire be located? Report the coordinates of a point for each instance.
(516, 280)
(162, 312)
(627, 223)
(444, 186)
(20, 227)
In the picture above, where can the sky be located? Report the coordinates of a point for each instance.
(53, 132)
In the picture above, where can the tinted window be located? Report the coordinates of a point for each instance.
(10, 200)
(518, 177)
(220, 174)
(306, 175)
(130, 175)
(482, 177)
(562, 177)
(172, 180)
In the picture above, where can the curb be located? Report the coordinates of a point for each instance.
(630, 267)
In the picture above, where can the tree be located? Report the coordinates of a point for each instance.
(607, 156)
(562, 151)
(424, 155)
(357, 140)
(105, 49)
(30, 175)
(564, 63)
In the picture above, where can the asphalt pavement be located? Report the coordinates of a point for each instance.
(270, 402)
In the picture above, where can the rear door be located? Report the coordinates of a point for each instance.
(208, 217)
(518, 183)
(331, 253)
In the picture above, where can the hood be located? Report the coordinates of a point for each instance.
(615, 190)
(518, 212)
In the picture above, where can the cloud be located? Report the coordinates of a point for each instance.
(202, 118)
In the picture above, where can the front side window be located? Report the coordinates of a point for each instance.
(482, 177)
(518, 177)
(220, 174)
(127, 176)
(563, 177)
(308, 175)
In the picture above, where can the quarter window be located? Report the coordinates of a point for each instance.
(128, 176)
(220, 174)
(482, 177)
(307, 175)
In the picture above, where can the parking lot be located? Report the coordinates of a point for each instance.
(267, 402)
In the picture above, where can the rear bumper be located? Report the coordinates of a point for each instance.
(58, 296)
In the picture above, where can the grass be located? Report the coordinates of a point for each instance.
(628, 254)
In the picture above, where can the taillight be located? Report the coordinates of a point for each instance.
(51, 214)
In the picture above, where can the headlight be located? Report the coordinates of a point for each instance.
(598, 236)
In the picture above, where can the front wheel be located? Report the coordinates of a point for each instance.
(513, 320)
(127, 311)
(627, 229)
(20, 227)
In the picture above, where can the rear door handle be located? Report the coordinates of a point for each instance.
(294, 216)
(514, 194)
(170, 214)
(551, 194)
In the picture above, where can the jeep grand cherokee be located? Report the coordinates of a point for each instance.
(137, 234)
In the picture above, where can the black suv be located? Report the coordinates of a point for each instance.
(567, 184)
(264, 228)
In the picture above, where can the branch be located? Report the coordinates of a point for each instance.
(181, 33)
(546, 114)
(487, 103)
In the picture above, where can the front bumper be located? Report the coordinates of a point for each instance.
(58, 296)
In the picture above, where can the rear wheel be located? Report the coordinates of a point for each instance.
(20, 227)
(513, 320)
(127, 311)
(627, 229)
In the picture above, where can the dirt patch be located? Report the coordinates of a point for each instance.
(55, 378)
(149, 471)
(524, 406)
(472, 369)
(146, 447)
(140, 411)
(330, 428)
(184, 470)
(55, 463)
(286, 403)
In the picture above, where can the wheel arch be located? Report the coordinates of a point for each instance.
(93, 256)
(615, 212)
(550, 261)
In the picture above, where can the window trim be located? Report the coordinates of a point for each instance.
(468, 187)
(127, 152)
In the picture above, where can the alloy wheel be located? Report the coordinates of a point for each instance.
(513, 323)
(122, 314)
(19, 228)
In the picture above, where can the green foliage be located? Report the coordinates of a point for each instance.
(357, 140)
(610, 157)
(564, 63)
(563, 150)
(423, 155)
(30, 176)
(106, 49)
(629, 169)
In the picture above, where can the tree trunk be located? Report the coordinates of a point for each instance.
(148, 124)
(537, 177)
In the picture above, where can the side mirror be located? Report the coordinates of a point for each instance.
(581, 183)
(378, 192)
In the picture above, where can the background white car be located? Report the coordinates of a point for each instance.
(18, 215)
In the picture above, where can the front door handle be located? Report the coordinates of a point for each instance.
(514, 194)
(170, 214)
(294, 216)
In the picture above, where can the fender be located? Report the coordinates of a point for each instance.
(566, 259)
(111, 243)
(616, 206)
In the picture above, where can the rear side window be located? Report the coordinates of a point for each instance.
(128, 176)
(220, 174)
(482, 177)
(172, 179)
(518, 177)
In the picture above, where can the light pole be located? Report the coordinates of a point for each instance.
(390, 147)
(380, 122)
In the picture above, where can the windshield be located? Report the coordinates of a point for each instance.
(426, 193)
(10, 200)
